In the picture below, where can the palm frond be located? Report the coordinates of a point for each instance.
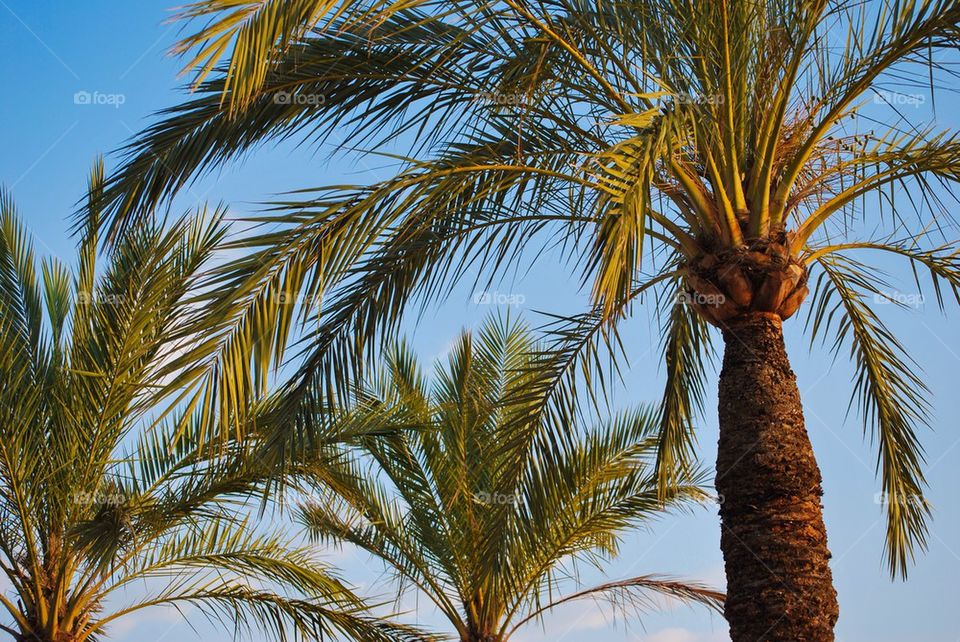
(252, 33)
(686, 354)
(889, 393)
(633, 596)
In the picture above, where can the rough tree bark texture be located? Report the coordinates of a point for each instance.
(779, 585)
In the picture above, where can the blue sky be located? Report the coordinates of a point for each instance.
(115, 51)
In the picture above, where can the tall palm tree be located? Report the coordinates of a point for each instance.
(726, 156)
(100, 520)
(476, 504)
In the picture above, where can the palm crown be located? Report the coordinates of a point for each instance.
(92, 507)
(682, 148)
(479, 503)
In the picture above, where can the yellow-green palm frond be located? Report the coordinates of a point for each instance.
(252, 33)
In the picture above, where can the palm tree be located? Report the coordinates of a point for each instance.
(99, 521)
(479, 505)
(729, 155)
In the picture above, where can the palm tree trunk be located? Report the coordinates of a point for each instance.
(779, 585)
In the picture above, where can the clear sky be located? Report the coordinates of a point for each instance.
(116, 51)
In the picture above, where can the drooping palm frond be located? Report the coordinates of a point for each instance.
(639, 593)
(476, 504)
(686, 352)
(229, 572)
(286, 279)
(890, 395)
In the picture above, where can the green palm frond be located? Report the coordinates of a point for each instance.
(475, 503)
(22, 303)
(889, 393)
(256, 612)
(289, 274)
(906, 160)
(107, 480)
(686, 352)
(942, 264)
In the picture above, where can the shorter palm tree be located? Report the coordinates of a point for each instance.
(84, 526)
(483, 501)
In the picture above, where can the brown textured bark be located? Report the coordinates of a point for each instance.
(779, 585)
